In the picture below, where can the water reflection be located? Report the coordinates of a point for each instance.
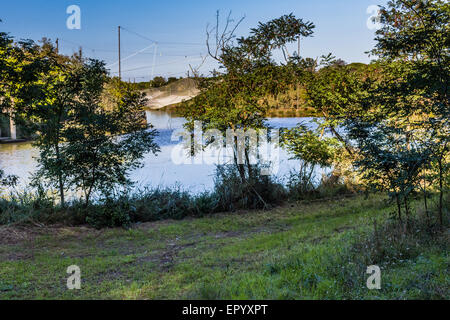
(20, 159)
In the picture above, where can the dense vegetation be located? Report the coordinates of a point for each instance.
(395, 113)
(90, 130)
(157, 82)
(383, 129)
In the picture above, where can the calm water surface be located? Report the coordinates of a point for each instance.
(160, 170)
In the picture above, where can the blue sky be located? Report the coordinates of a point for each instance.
(180, 26)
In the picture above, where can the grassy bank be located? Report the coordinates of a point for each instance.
(298, 251)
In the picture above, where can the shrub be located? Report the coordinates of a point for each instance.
(159, 204)
(258, 192)
(301, 187)
(25, 207)
(110, 213)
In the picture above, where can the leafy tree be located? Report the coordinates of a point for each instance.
(20, 68)
(21, 65)
(236, 97)
(336, 92)
(59, 87)
(4, 43)
(387, 160)
(309, 147)
(417, 34)
(408, 96)
(158, 82)
(172, 79)
(102, 145)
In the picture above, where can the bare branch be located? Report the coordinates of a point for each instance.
(196, 71)
(222, 37)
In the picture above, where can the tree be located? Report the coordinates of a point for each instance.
(413, 45)
(59, 87)
(311, 149)
(158, 82)
(236, 97)
(172, 79)
(4, 44)
(386, 159)
(20, 69)
(101, 145)
(336, 92)
(21, 66)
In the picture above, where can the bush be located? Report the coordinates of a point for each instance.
(206, 203)
(150, 205)
(229, 194)
(110, 213)
(394, 242)
(160, 204)
(303, 187)
(259, 191)
(26, 207)
(300, 186)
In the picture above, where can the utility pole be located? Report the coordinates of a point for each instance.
(154, 60)
(298, 89)
(57, 45)
(120, 64)
(81, 53)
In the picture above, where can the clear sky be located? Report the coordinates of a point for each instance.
(179, 27)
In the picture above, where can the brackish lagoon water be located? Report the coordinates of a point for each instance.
(158, 171)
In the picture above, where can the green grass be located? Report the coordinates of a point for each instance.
(298, 251)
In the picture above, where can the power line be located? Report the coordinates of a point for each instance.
(151, 53)
(130, 52)
(130, 56)
(139, 35)
(154, 59)
(163, 42)
(154, 42)
(160, 65)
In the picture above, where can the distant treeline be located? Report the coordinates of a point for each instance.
(157, 82)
